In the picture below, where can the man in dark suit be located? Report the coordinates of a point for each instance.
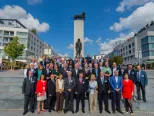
(34, 70)
(107, 60)
(47, 72)
(28, 89)
(130, 71)
(88, 58)
(96, 70)
(90, 69)
(43, 62)
(141, 82)
(51, 88)
(64, 70)
(69, 90)
(103, 91)
(114, 68)
(75, 71)
(80, 91)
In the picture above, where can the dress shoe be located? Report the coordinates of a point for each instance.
(65, 111)
(145, 100)
(25, 112)
(100, 112)
(72, 112)
(32, 111)
(77, 111)
(138, 98)
(120, 111)
(83, 111)
(49, 110)
(113, 112)
(53, 110)
(108, 111)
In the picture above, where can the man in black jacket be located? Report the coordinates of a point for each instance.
(103, 91)
(114, 68)
(96, 70)
(34, 70)
(131, 72)
(80, 91)
(69, 89)
(75, 71)
(51, 89)
(28, 89)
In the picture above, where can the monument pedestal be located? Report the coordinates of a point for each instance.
(79, 34)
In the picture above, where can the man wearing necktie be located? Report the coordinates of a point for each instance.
(130, 71)
(103, 91)
(69, 90)
(28, 89)
(80, 91)
(141, 82)
(90, 68)
(116, 87)
(96, 70)
(51, 88)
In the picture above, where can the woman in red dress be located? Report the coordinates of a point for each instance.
(41, 93)
(127, 93)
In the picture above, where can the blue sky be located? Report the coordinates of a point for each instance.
(102, 23)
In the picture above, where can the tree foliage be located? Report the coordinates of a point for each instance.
(117, 59)
(34, 31)
(14, 48)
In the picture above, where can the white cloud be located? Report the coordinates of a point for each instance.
(138, 19)
(99, 40)
(71, 46)
(32, 2)
(127, 4)
(106, 47)
(87, 40)
(17, 12)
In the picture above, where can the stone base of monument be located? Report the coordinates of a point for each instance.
(11, 93)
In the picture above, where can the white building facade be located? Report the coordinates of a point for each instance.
(34, 47)
(143, 41)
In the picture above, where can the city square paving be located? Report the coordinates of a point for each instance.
(11, 99)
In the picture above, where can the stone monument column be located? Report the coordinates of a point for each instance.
(79, 34)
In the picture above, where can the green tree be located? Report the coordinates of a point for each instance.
(34, 31)
(117, 59)
(14, 49)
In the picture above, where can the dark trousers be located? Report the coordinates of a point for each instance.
(59, 103)
(142, 88)
(103, 97)
(29, 100)
(128, 105)
(79, 97)
(116, 96)
(51, 102)
(87, 95)
(69, 97)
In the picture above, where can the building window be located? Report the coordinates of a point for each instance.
(22, 34)
(129, 45)
(6, 33)
(133, 44)
(129, 51)
(5, 39)
(126, 47)
(1, 32)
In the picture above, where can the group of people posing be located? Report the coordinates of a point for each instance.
(51, 81)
